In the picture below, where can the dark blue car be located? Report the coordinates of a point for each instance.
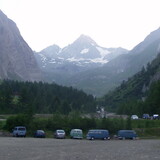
(98, 134)
(127, 134)
(146, 116)
(39, 134)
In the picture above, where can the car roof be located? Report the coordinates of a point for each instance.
(126, 131)
(60, 130)
(20, 127)
(76, 130)
(98, 130)
(40, 130)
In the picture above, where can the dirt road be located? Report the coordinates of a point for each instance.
(67, 149)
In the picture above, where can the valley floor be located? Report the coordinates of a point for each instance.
(68, 149)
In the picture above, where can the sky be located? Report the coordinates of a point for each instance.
(110, 23)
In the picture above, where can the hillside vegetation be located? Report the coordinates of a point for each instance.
(38, 97)
(139, 94)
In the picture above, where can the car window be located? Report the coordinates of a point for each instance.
(60, 131)
(21, 129)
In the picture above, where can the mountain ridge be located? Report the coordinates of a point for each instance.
(17, 59)
(135, 95)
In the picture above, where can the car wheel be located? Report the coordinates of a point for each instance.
(92, 138)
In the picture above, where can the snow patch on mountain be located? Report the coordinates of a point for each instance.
(96, 60)
(99, 60)
(103, 52)
(43, 58)
(73, 59)
(92, 44)
(86, 50)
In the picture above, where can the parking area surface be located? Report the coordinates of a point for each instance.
(69, 149)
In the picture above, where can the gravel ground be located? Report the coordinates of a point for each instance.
(68, 149)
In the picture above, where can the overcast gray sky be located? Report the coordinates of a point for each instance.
(111, 23)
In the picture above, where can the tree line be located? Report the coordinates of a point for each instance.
(38, 97)
(150, 105)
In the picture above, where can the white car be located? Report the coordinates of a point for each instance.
(59, 133)
(156, 116)
(134, 117)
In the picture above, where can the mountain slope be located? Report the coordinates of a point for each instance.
(99, 81)
(17, 59)
(137, 87)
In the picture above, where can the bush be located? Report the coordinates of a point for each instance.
(18, 120)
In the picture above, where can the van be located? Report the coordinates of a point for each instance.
(98, 134)
(19, 131)
(127, 134)
(76, 134)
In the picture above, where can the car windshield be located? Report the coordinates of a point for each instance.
(40, 131)
(21, 129)
(95, 131)
(60, 131)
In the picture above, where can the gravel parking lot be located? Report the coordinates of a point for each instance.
(68, 149)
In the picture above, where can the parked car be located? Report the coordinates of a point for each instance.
(59, 133)
(146, 116)
(98, 134)
(76, 134)
(156, 116)
(39, 134)
(127, 134)
(19, 131)
(134, 117)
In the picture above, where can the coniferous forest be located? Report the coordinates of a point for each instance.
(38, 97)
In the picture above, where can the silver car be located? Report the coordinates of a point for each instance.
(19, 131)
(59, 133)
(134, 117)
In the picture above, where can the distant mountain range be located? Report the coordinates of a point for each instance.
(83, 64)
(95, 69)
(17, 59)
(105, 78)
(83, 54)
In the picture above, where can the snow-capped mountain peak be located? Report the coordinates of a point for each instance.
(85, 39)
(84, 53)
(51, 51)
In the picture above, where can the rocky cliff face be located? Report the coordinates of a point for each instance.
(17, 60)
